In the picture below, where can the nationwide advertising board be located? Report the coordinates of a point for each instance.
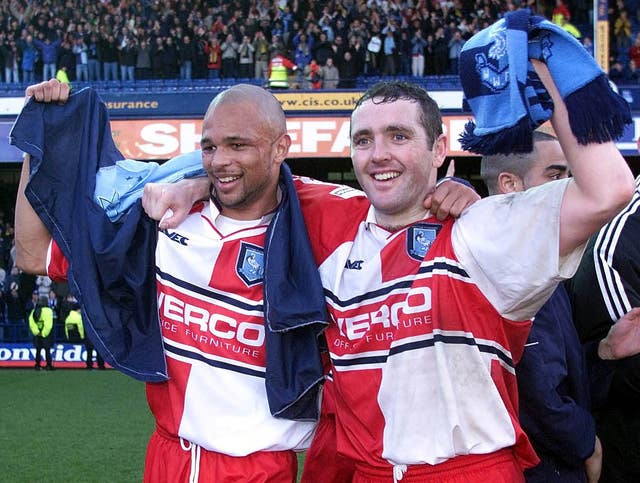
(64, 355)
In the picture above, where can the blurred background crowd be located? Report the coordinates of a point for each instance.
(145, 39)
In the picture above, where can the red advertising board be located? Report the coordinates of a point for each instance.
(311, 136)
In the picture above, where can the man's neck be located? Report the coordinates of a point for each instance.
(393, 223)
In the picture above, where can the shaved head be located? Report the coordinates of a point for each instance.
(260, 102)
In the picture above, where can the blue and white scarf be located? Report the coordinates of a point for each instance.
(508, 99)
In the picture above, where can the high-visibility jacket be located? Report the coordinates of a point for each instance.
(279, 71)
(74, 319)
(62, 76)
(44, 324)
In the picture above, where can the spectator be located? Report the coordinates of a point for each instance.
(455, 46)
(41, 326)
(622, 30)
(418, 45)
(634, 50)
(94, 66)
(4, 331)
(261, 50)
(389, 49)
(214, 57)
(29, 57)
(81, 52)
(552, 374)
(11, 56)
(127, 54)
(338, 49)
(74, 331)
(278, 72)
(186, 57)
(109, 50)
(560, 12)
(617, 72)
(588, 44)
(143, 60)
(440, 52)
(200, 61)
(605, 288)
(15, 309)
(322, 49)
(330, 75)
(66, 58)
(43, 285)
(631, 73)
(301, 54)
(229, 57)
(569, 27)
(245, 58)
(348, 71)
(169, 59)
(49, 51)
(52, 303)
(313, 76)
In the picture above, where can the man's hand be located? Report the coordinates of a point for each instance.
(450, 198)
(49, 91)
(623, 339)
(593, 464)
(170, 203)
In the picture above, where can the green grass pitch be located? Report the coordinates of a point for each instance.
(73, 425)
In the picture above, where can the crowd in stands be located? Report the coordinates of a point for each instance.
(19, 292)
(128, 40)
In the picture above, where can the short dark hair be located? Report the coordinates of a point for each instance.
(519, 164)
(392, 91)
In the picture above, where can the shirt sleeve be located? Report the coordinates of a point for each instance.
(57, 264)
(615, 257)
(509, 245)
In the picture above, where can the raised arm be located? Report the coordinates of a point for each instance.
(32, 238)
(602, 181)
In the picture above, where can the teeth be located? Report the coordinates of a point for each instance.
(228, 179)
(386, 176)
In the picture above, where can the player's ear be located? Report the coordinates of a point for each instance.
(439, 150)
(281, 146)
(508, 182)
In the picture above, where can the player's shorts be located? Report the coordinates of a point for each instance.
(498, 467)
(323, 463)
(175, 460)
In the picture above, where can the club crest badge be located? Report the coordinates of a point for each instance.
(250, 264)
(419, 239)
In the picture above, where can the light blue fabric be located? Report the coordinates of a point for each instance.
(119, 186)
(509, 101)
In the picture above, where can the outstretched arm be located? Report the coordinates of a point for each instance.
(170, 203)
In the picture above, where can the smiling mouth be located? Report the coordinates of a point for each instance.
(386, 176)
(227, 179)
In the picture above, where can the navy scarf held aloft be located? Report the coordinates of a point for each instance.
(112, 265)
(508, 99)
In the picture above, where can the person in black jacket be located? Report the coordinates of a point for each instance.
(605, 289)
(553, 376)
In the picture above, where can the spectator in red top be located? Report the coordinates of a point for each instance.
(214, 56)
(634, 50)
(560, 10)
